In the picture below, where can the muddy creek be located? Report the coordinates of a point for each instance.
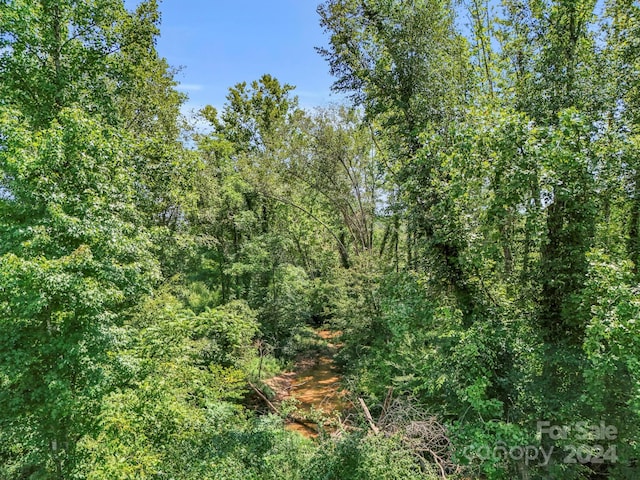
(315, 384)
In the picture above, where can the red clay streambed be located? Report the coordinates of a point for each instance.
(315, 384)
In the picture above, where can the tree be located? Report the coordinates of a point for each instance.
(73, 258)
(75, 253)
(335, 163)
(408, 66)
(58, 54)
(402, 60)
(98, 57)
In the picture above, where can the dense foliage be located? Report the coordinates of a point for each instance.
(470, 223)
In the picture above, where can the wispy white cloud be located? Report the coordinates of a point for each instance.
(190, 87)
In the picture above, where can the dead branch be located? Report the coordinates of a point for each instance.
(271, 406)
(367, 415)
(421, 432)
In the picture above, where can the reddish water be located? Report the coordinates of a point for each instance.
(316, 385)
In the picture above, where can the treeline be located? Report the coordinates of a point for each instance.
(470, 223)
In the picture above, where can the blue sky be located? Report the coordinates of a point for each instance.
(219, 43)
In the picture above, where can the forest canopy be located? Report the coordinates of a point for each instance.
(466, 224)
